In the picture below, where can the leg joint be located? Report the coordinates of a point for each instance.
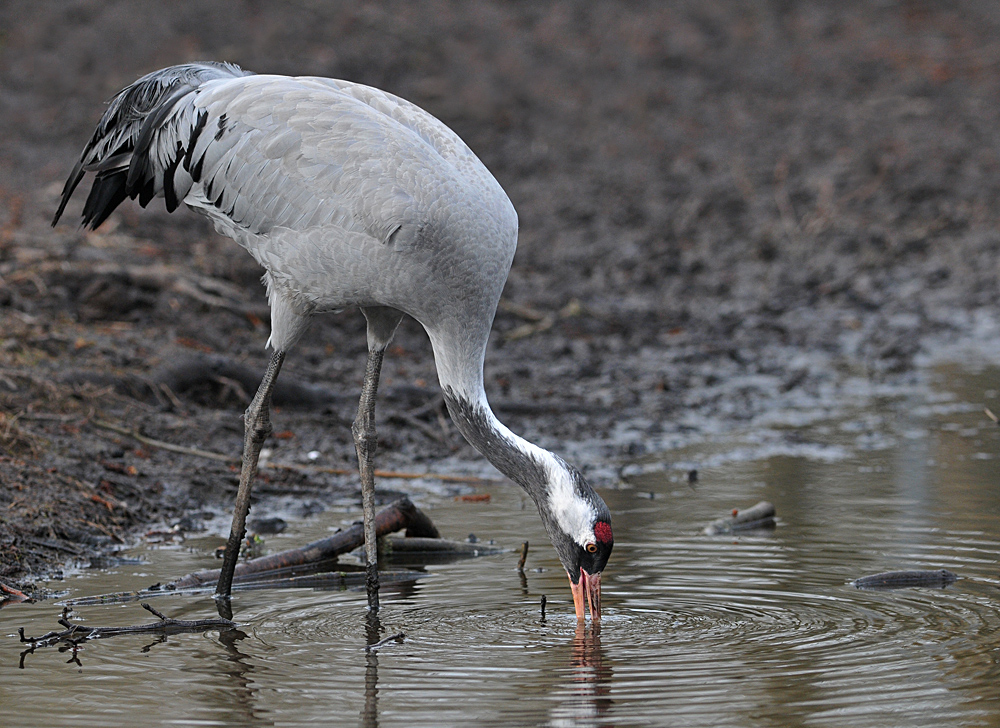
(365, 436)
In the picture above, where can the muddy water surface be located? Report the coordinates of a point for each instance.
(762, 629)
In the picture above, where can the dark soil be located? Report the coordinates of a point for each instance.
(707, 191)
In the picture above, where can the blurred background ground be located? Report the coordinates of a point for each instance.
(721, 204)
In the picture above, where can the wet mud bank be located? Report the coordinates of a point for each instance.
(722, 209)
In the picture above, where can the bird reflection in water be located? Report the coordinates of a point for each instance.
(589, 685)
(587, 690)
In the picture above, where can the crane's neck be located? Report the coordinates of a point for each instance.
(526, 464)
(566, 503)
(459, 359)
(557, 489)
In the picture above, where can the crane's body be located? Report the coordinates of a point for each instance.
(347, 196)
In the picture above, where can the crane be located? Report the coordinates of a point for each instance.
(348, 197)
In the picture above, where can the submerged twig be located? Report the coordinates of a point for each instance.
(399, 637)
(524, 557)
(166, 625)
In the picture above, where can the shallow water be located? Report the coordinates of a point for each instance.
(761, 629)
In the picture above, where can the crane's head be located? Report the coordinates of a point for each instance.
(579, 525)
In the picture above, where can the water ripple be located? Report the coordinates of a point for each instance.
(756, 629)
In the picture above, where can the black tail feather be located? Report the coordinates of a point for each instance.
(107, 193)
(71, 183)
(120, 150)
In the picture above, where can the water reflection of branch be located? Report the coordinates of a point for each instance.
(520, 569)
(240, 670)
(373, 630)
(369, 716)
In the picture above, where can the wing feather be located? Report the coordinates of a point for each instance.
(257, 153)
(136, 143)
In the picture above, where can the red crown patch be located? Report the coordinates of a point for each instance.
(602, 532)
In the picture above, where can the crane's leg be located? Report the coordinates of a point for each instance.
(366, 442)
(382, 323)
(257, 426)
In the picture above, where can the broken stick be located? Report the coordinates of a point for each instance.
(395, 517)
(9, 593)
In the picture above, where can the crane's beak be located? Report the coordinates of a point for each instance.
(589, 584)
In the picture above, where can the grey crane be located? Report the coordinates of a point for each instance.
(347, 196)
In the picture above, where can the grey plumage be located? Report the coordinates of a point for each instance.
(347, 196)
(274, 161)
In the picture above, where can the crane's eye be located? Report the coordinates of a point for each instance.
(591, 547)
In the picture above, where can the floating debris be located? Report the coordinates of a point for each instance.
(887, 580)
(757, 517)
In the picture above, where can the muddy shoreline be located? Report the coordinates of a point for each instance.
(719, 207)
